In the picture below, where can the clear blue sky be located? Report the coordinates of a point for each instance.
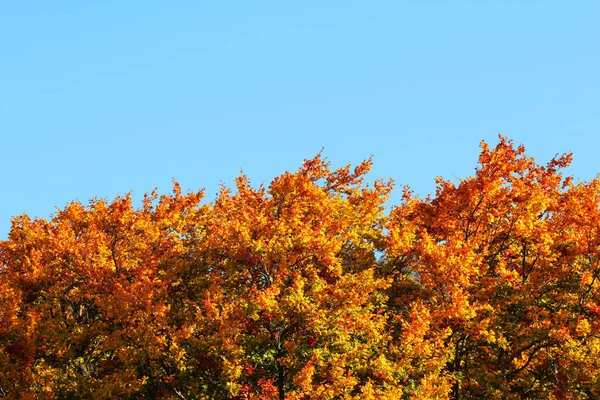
(99, 98)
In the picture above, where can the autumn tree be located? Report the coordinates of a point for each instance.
(294, 302)
(85, 310)
(505, 266)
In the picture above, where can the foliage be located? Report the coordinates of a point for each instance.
(308, 289)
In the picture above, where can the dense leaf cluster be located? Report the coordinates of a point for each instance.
(309, 289)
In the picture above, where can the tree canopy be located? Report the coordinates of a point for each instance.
(310, 288)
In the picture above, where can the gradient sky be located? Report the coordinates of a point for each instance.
(99, 98)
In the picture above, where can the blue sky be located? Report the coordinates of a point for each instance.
(103, 98)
